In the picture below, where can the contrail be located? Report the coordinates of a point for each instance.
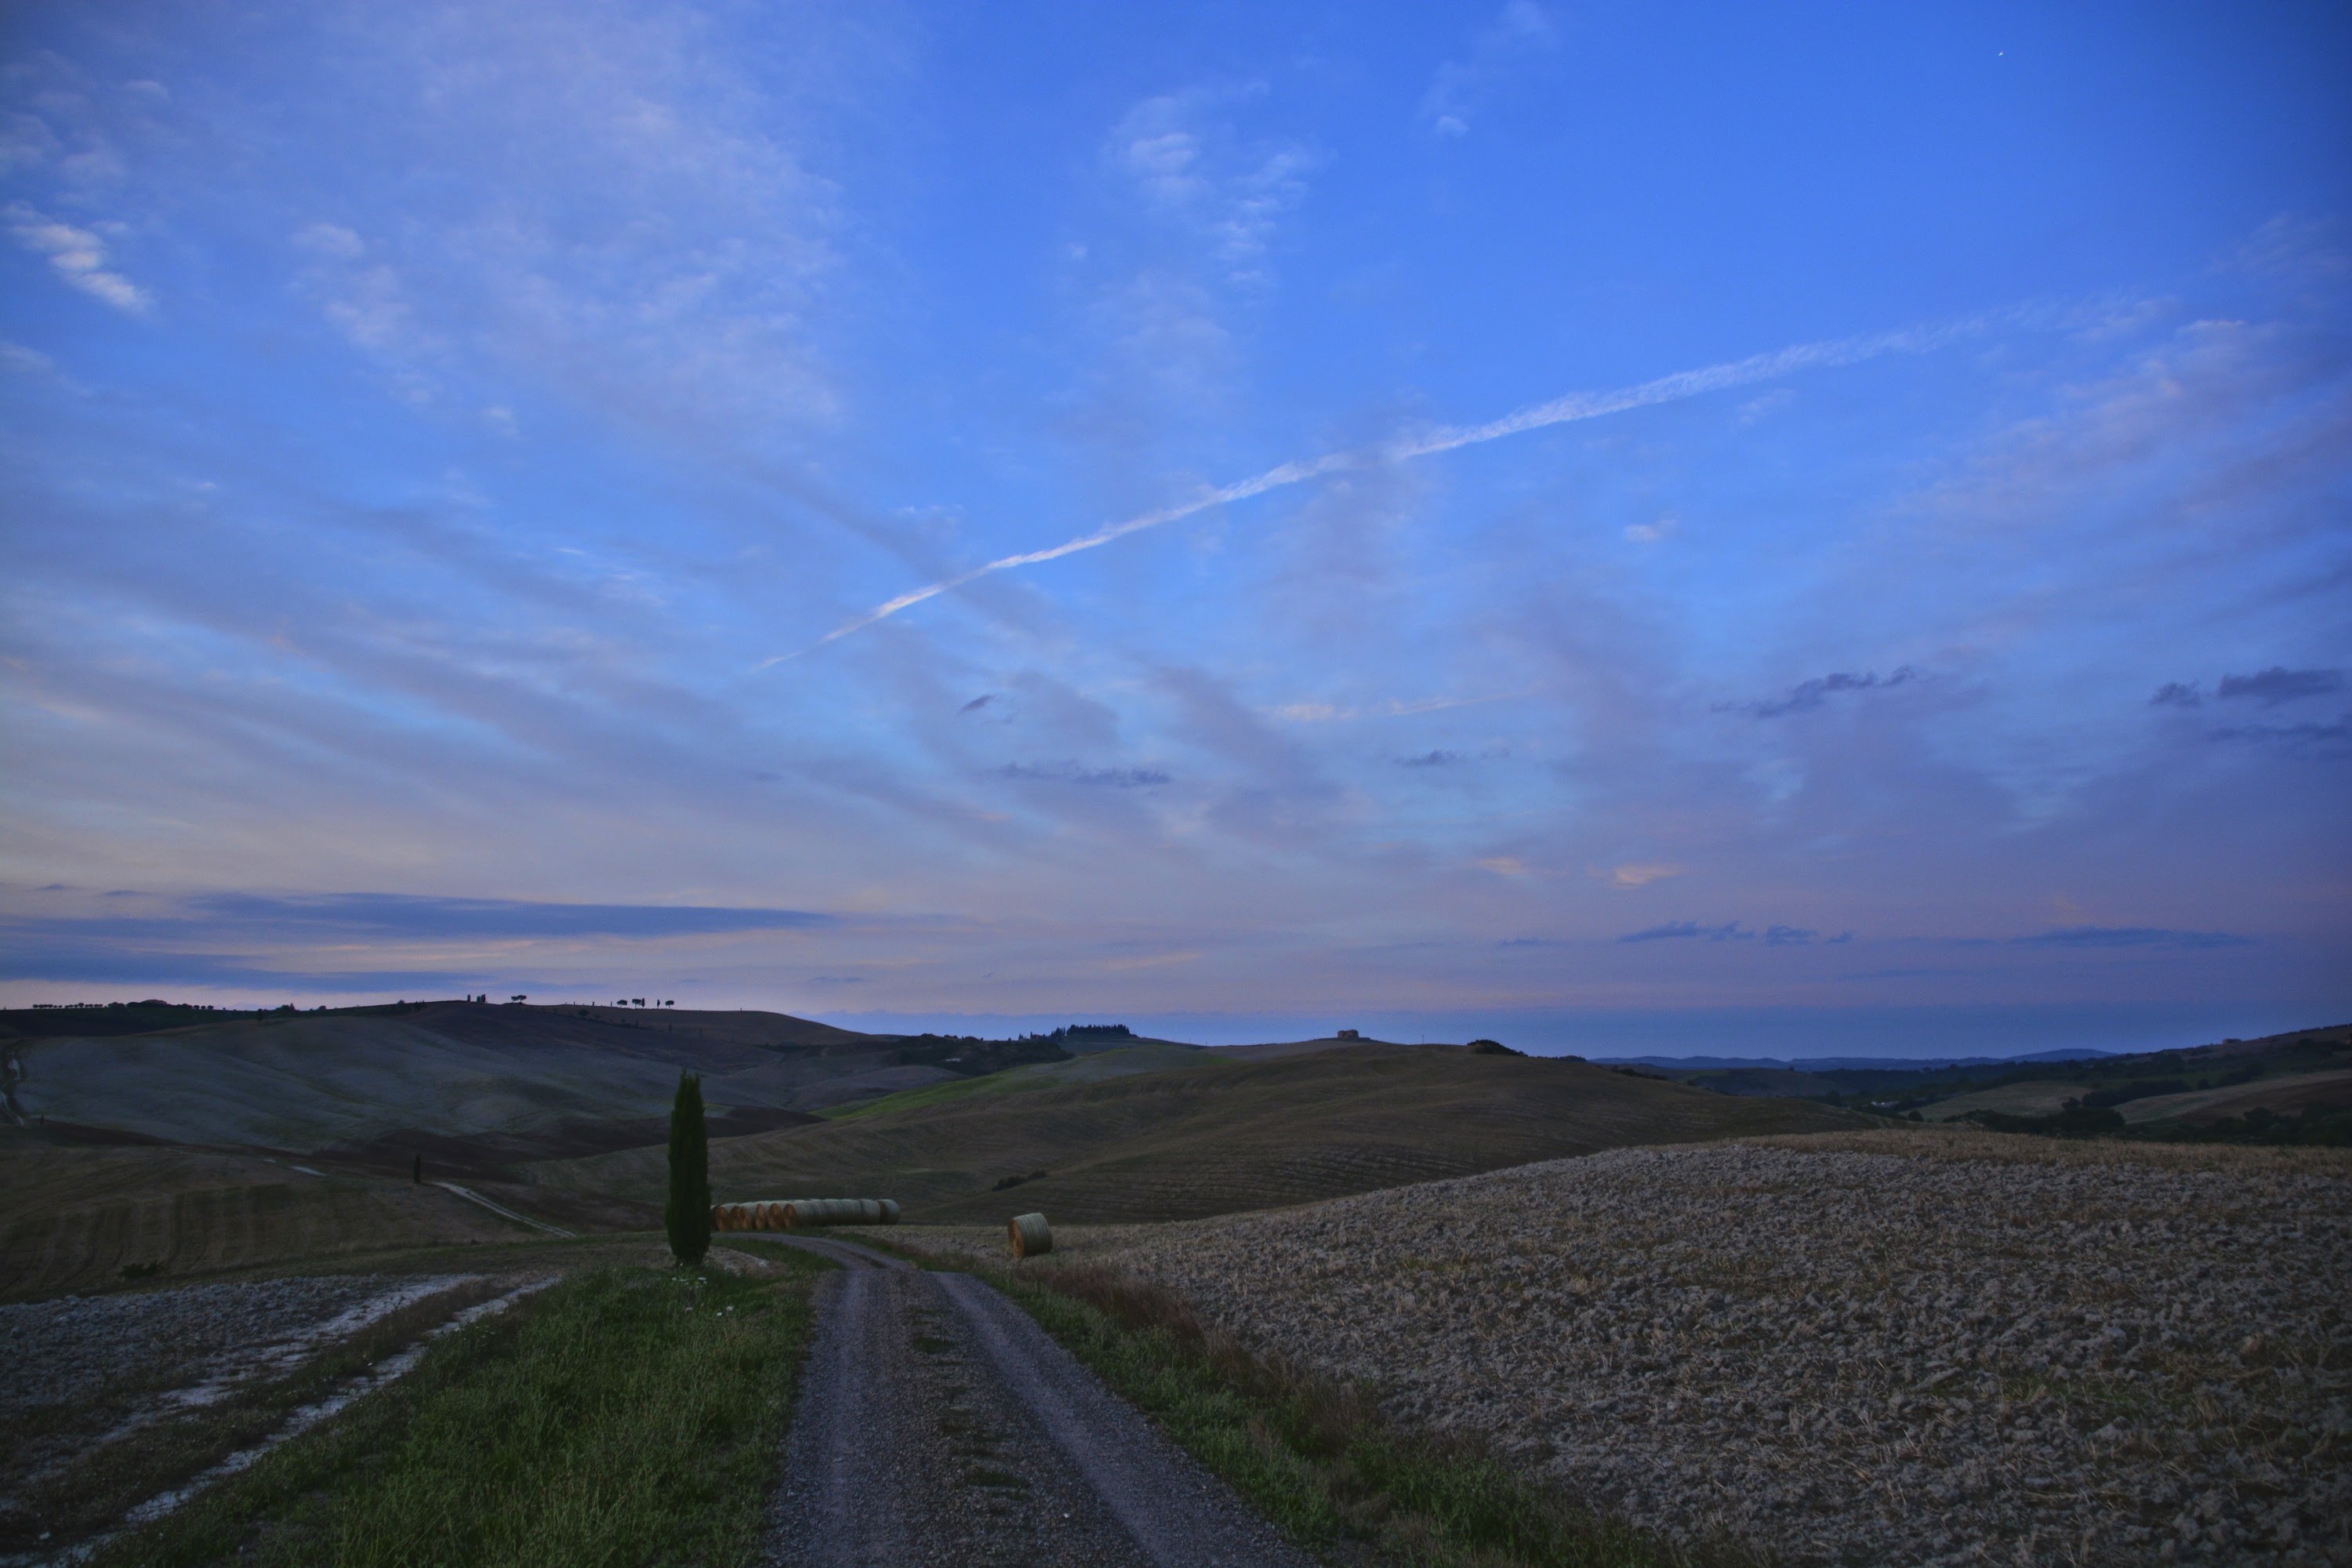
(1566, 410)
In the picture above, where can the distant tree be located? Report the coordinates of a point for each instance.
(686, 1217)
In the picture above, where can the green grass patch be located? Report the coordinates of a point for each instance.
(1316, 1458)
(1097, 1066)
(627, 1416)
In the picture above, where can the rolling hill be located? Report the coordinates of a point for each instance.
(538, 1078)
(1212, 1136)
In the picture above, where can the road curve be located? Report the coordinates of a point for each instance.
(939, 1425)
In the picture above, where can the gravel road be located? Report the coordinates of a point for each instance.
(937, 1424)
(1946, 1355)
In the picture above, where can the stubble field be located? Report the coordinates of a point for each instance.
(1918, 1347)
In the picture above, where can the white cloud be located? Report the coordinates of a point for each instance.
(24, 361)
(1520, 35)
(78, 256)
(1194, 174)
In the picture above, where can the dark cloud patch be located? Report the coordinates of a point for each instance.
(262, 918)
(1430, 760)
(977, 703)
(2279, 684)
(256, 940)
(2129, 936)
(1732, 930)
(1729, 932)
(1099, 778)
(397, 914)
(2325, 740)
(1808, 694)
(2173, 694)
(75, 957)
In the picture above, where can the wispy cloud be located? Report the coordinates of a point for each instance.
(1808, 694)
(1673, 930)
(1395, 707)
(78, 256)
(1503, 49)
(2130, 936)
(1732, 930)
(1191, 174)
(1099, 778)
(1569, 409)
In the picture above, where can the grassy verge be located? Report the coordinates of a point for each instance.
(1315, 1456)
(629, 1415)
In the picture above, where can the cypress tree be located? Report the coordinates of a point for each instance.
(686, 1217)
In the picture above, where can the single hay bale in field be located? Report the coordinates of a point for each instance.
(1030, 1234)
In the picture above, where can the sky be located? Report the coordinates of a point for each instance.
(1735, 529)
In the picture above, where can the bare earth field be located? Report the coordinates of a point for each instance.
(1863, 1347)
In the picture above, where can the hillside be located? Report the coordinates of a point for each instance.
(1215, 1137)
(312, 1080)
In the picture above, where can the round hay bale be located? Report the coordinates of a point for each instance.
(797, 1212)
(1030, 1234)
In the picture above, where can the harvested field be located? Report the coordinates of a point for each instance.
(1214, 1138)
(2288, 1096)
(1892, 1351)
(74, 1218)
(2039, 1098)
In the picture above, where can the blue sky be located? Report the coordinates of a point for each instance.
(1706, 526)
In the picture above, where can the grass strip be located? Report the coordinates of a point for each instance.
(627, 1415)
(1315, 1456)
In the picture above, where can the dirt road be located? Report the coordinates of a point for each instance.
(939, 1425)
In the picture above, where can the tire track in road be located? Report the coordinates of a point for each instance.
(938, 1423)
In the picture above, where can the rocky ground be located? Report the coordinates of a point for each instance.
(1893, 1348)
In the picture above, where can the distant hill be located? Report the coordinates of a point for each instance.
(1212, 1136)
(1848, 1063)
(354, 1078)
(2017, 1084)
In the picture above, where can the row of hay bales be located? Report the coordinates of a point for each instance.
(794, 1213)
